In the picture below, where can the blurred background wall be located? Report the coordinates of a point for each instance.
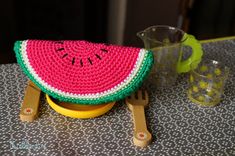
(112, 21)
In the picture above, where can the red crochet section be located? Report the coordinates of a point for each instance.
(81, 67)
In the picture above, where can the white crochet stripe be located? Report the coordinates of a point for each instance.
(133, 73)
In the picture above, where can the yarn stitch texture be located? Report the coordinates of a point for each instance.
(83, 72)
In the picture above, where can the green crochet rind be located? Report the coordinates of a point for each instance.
(127, 90)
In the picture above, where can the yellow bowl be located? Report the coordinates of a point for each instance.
(77, 110)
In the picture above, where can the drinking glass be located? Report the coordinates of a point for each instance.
(206, 82)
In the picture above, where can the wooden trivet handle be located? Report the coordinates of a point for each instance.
(29, 107)
(142, 137)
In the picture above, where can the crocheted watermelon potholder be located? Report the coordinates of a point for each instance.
(83, 72)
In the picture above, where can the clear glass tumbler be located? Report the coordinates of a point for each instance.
(206, 82)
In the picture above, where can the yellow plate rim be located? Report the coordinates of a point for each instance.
(82, 114)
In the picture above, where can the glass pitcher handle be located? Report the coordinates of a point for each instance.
(184, 66)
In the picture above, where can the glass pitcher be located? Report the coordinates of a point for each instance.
(166, 44)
